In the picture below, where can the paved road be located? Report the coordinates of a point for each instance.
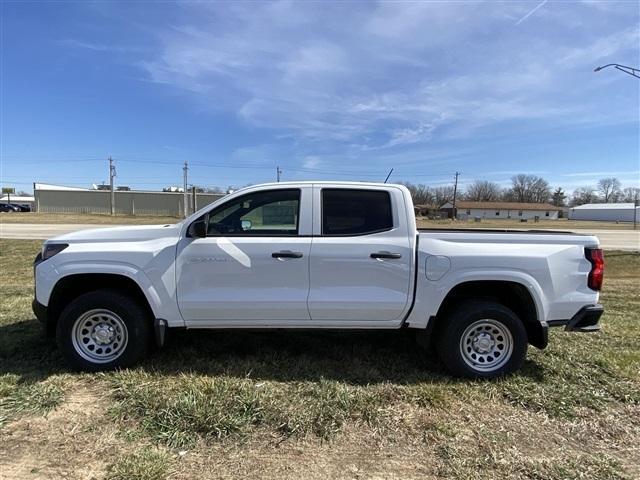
(610, 239)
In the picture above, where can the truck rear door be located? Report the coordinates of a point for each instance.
(362, 255)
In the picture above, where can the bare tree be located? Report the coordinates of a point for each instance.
(213, 190)
(582, 195)
(610, 189)
(631, 194)
(420, 194)
(558, 197)
(443, 195)
(529, 189)
(483, 191)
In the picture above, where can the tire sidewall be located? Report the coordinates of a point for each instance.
(131, 313)
(468, 313)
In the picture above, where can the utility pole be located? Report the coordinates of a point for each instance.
(278, 172)
(635, 211)
(112, 195)
(455, 194)
(194, 202)
(185, 205)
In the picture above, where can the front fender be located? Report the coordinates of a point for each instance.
(48, 274)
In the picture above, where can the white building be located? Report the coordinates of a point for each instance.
(606, 212)
(514, 210)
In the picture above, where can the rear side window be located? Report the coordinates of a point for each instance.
(355, 212)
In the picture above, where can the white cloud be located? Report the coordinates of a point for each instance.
(388, 76)
(311, 162)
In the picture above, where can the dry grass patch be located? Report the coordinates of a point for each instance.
(559, 224)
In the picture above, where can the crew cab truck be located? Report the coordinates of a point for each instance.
(316, 255)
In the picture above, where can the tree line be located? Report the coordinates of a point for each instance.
(525, 189)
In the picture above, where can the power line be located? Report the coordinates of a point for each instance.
(234, 166)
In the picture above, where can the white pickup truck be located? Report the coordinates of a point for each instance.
(316, 255)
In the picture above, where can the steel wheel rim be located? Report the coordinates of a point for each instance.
(486, 345)
(99, 336)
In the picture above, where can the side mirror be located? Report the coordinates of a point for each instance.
(198, 229)
(246, 224)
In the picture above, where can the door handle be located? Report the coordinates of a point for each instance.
(386, 255)
(286, 254)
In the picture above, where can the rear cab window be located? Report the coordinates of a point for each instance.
(355, 212)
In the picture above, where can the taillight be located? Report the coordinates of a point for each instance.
(596, 275)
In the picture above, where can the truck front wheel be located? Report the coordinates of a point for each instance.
(103, 330)
(481, 339)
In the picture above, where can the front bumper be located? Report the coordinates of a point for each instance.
(42, 314)
(40, 311)
(586, 320)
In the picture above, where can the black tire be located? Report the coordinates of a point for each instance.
(118, 308)
(504, 336)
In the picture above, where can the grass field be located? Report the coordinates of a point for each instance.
(560, 224)
(319, 405)
(32, 217)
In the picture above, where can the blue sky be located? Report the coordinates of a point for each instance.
(325, 90)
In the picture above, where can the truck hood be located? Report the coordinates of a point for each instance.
(120, 234)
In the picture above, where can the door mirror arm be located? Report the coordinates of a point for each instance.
(199, 228)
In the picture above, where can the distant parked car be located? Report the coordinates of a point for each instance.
(24, 207)
(8, 207)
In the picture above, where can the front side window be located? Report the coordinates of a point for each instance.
(272, 212)
(355, 212)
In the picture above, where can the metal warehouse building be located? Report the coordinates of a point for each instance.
(607, 212)
(56, 199)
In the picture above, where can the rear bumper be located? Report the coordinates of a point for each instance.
(586, 320)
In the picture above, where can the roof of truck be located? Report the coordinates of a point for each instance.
(336, 182)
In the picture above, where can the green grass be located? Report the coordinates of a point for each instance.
(17, 398)
(145, 464)
(192, 406)
(572, 412)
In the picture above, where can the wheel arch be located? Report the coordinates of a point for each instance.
(72, 286)
(512, 294)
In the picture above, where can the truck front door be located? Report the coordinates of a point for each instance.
(253, 265)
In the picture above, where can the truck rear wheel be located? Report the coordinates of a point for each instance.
(482, 339)
(103, 330)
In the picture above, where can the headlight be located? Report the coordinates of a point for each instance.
(51, 249)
